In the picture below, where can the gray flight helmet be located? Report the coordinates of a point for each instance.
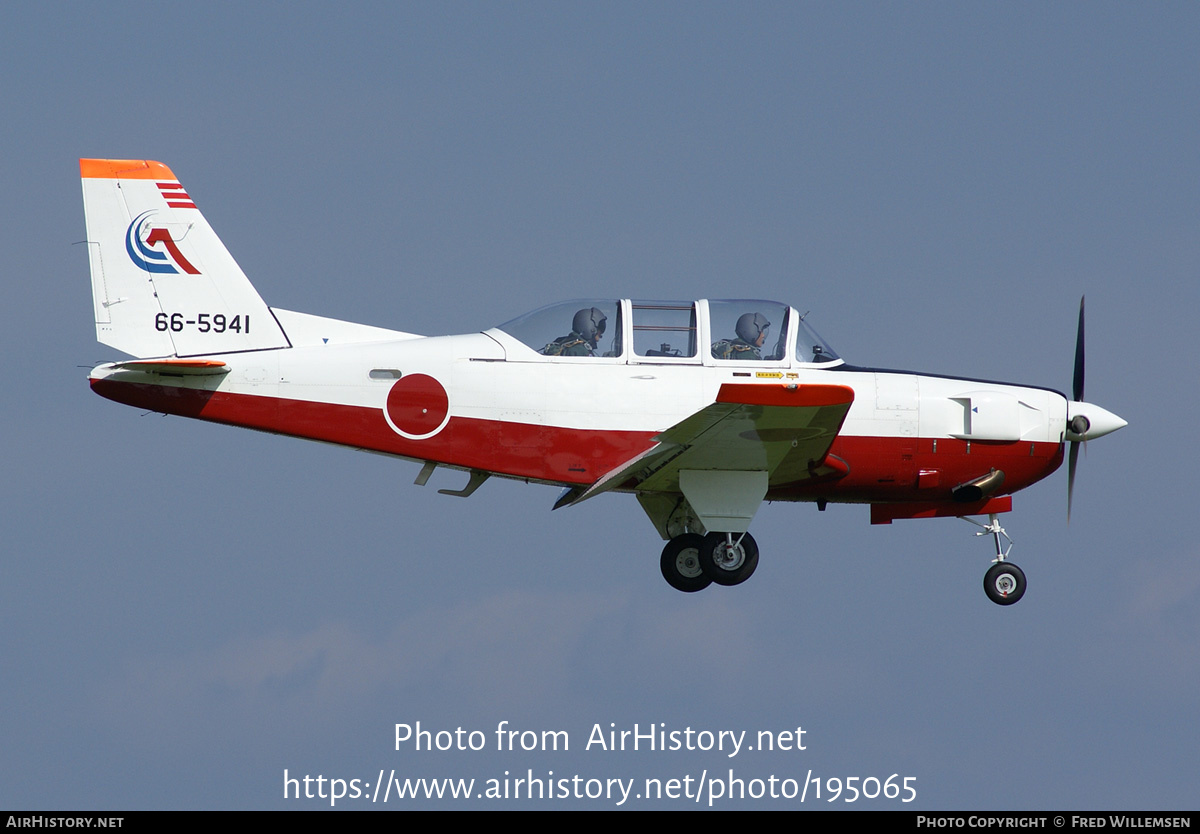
(589, 323)
(750, 326)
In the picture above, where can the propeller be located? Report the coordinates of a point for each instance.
(1085, 421)
(1079, 423)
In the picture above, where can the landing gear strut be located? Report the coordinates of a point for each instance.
(1004, 582)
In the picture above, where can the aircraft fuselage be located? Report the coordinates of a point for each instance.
(458, 401)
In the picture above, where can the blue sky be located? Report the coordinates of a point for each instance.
(188, 610)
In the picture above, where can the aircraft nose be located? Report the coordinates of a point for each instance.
(1087, 422)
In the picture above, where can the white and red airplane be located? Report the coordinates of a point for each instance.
(702, 409)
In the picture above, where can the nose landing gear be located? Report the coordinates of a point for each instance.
(1004, 582)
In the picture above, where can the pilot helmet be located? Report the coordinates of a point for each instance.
(589, 323)
(750, 326)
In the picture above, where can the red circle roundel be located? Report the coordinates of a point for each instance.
(417, 406)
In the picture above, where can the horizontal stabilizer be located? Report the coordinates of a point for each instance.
(173, 367)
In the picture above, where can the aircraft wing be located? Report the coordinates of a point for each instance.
(783, 430)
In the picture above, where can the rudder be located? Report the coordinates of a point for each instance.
(163, 284)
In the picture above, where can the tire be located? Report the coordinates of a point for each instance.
(1004, 583)
(680, 564)
(725, 567)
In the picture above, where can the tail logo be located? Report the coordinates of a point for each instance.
(140, 240)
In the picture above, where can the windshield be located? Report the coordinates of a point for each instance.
(810, 347)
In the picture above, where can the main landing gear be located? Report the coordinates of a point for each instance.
(1004, 582)
(691, 562)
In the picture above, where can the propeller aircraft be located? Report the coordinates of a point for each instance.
(702, 409)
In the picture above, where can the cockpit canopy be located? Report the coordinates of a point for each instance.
(704, 331)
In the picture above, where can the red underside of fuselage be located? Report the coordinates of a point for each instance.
(881, 469)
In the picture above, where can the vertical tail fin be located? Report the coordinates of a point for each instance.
(163, 284)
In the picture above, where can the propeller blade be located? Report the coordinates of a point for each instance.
(1071, 461)
(1077, 384)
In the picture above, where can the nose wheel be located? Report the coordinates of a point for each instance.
(1004, 582)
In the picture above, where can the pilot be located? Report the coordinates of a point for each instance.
(751, 333)
(586, 330)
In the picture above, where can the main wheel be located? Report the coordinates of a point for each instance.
(680, 563)
(728, 564)
(1004, 583)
